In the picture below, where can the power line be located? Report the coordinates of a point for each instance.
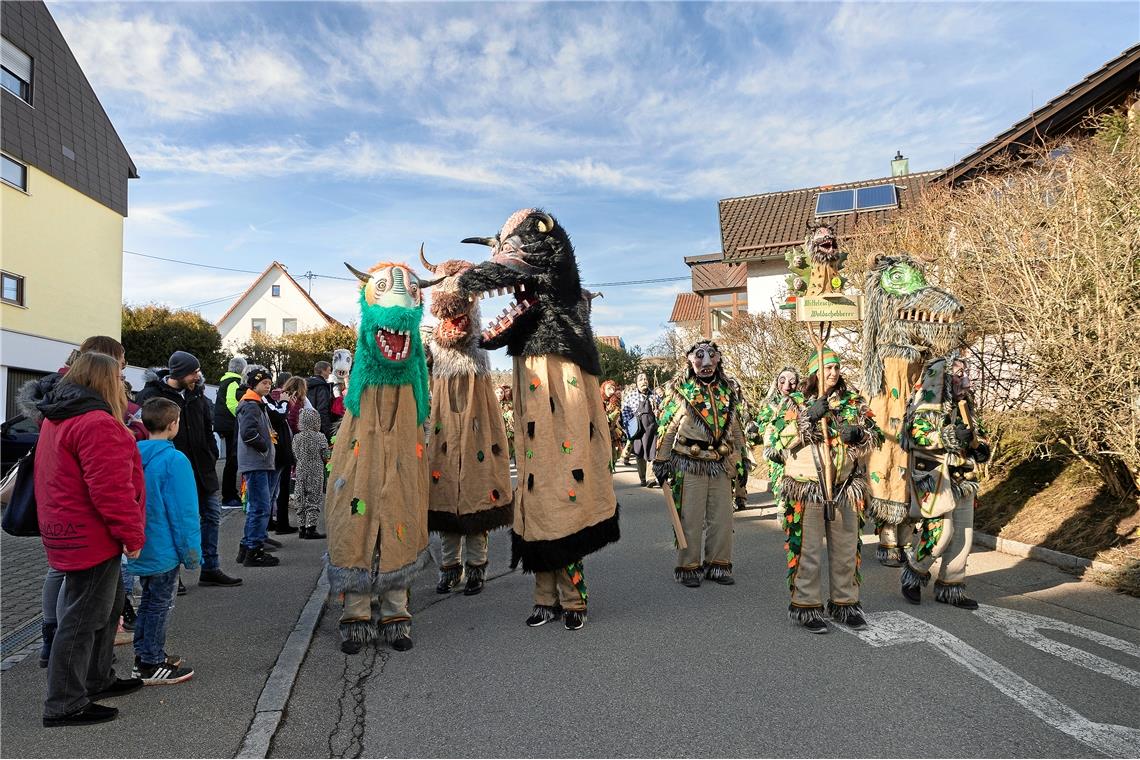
(191, 263)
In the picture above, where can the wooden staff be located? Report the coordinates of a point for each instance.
(678, 531)
(828, 474)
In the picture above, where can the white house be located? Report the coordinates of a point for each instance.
(275, 304)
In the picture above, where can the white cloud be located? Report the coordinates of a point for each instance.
(162, 219)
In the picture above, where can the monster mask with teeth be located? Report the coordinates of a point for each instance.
(533, 260)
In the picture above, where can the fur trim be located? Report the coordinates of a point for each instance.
(547, 612)
(804, 615)
(714, 571)
(851, 493)
(459, 361)
(949, 593)
(886, 511)
(357, 580)
(809, 431)
(841, 613)
(542, 556)
(681, 574)
(864, 447)
(961, 488)
(472, 523)
(395, 629)
(450, 575)
(779, 456)
(682, 463)
(911, 578)
(476, 572)
(403, 577)
(363, 631)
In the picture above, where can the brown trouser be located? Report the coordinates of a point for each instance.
(553, 588)
(895, 536)
(953, 545)
(706, 507)
(842, 536)
(393, 606)
(452, 545)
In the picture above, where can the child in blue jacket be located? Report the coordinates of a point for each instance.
(173, 537)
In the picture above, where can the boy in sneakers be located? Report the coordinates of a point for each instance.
(258, 466)
(173, 538)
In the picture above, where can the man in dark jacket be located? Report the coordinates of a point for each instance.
(320, 394)
(225, 409)
(182, 383)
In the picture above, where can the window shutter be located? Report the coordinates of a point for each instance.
(16, 61)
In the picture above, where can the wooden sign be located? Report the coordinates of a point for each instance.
(829, 307)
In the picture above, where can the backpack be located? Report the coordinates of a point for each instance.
(21, 517)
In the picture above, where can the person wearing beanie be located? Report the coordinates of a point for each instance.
(257, 457)
(225, 425)
(182, 383)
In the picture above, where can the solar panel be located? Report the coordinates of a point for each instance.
(879, 196)
(835, 202)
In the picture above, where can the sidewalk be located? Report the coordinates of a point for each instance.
(231, 636)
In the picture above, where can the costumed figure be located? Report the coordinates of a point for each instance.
(468, 454)
(700, 454)
(311, 450)
(740, 482)
(944, 439)
(782, 386)
(342, 367)
(377, 497)
(794, 439)
(908, 323)
(507, 407)
(565, 506)
(639, 413)
(611, 402)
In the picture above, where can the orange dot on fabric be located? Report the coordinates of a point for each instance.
(356, 449)
(419, 451)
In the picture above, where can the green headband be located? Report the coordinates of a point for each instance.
(829, 357)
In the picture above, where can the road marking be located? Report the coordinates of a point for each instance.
(1025, 626)
(894, 628)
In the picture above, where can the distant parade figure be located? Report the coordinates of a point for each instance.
(611, 402)
(794, 440)
(942, 435)
(312, 452)
(507, 409)
(782, 386)
(639, 418)
(701, 453)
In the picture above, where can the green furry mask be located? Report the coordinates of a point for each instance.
(387, 331)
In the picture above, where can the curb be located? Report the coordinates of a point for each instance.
(1041, 554)
(278, 687)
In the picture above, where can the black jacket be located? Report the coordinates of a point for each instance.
(320, 396)
(278, 411)
(69, 400)
(224, 421)
(195, 436)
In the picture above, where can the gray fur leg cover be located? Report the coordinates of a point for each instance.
(840, 613)
(681, 574)
(546, 612)
(363, 631)
(804, 615)
(712, 572)
(396, 629)
(450, 575)
(912, 579)
(949, 593)
(477, 572)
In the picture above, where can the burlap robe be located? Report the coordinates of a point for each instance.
(469, 457)
(565, 507)
(887, 475)
(378, 493)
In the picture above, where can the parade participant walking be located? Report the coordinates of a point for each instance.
(89, 480)
(172, 539)
(942, 435)
(639, 418)
(312, 452)
(782, 386)
(182, 383)
(565, 507)
(469, 457)
(225, 425)
(277, 404)
(611, 402)
(701, 453)
(257, 462)
(816, 505)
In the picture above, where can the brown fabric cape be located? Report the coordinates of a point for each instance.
(565, 506)
(469, 457)
(378, 494)
(887, 474)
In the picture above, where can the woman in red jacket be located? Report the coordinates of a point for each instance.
(90, 498)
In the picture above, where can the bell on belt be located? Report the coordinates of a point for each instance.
(724, 448)
(695, 450)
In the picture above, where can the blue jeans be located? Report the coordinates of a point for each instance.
(260, 486)
(210, 512)
(128, 579)
(154, 615)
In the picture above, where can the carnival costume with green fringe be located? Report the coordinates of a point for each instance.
(377, 495)
(794, 442)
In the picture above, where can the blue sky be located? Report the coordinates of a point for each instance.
(314, 133)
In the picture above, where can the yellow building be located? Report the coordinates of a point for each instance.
(63, 198)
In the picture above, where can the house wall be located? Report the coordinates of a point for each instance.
(259, 303)
(765, 280)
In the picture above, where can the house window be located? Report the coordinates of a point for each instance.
(862, 199)
(12, 288)
(15, 71)
(288, 326)
(14, 173)
(276, 291)
(257, 325)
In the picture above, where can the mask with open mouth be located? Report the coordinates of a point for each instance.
(455, 340)
(533, 261)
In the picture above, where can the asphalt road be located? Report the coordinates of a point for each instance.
(661, 669)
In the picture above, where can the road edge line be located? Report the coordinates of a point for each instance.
(1040, 553)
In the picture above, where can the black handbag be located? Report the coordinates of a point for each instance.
(20, 516)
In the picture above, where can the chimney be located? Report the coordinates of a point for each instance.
(900, 165)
